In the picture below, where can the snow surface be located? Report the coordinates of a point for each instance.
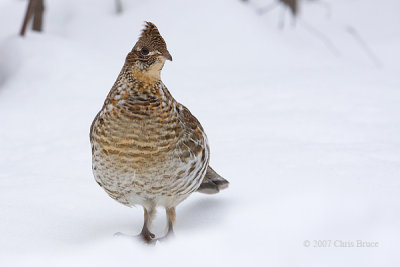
(308, 137)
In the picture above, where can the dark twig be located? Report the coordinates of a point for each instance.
(35, 8)
(38, 10)
(28, 15)
(118, 6)
(293, 6)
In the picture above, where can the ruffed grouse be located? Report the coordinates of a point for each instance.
(147, 148)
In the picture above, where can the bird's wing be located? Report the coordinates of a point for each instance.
(212, 182)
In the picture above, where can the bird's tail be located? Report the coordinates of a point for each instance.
(212, 182)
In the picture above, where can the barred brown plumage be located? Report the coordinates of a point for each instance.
(147, 148)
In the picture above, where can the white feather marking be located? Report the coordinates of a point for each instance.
(162, 93)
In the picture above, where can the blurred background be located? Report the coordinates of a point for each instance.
(300, 101)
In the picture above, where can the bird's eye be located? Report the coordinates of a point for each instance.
(145, 51)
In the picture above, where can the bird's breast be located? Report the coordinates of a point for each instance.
(141, 141)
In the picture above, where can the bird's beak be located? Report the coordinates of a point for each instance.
(167, 55)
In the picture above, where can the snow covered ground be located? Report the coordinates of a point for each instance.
(309, 138)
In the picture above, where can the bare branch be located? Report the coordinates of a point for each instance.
(28, 15)
(35, 9)
(292, 5)
(38, 15)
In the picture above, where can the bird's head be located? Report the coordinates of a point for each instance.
(149, 54)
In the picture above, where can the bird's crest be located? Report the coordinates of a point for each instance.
(150, 29)
(151, 37)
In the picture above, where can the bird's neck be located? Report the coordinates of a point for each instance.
(150, 75)
(133, 85)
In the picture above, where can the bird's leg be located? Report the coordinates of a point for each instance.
(148, 217)
(171, 215)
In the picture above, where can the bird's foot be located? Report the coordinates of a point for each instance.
(147, 236)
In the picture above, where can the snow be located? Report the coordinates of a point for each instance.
(308, 136)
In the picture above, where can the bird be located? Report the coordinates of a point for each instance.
(147, 148)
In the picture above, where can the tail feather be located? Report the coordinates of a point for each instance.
(212, 182)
